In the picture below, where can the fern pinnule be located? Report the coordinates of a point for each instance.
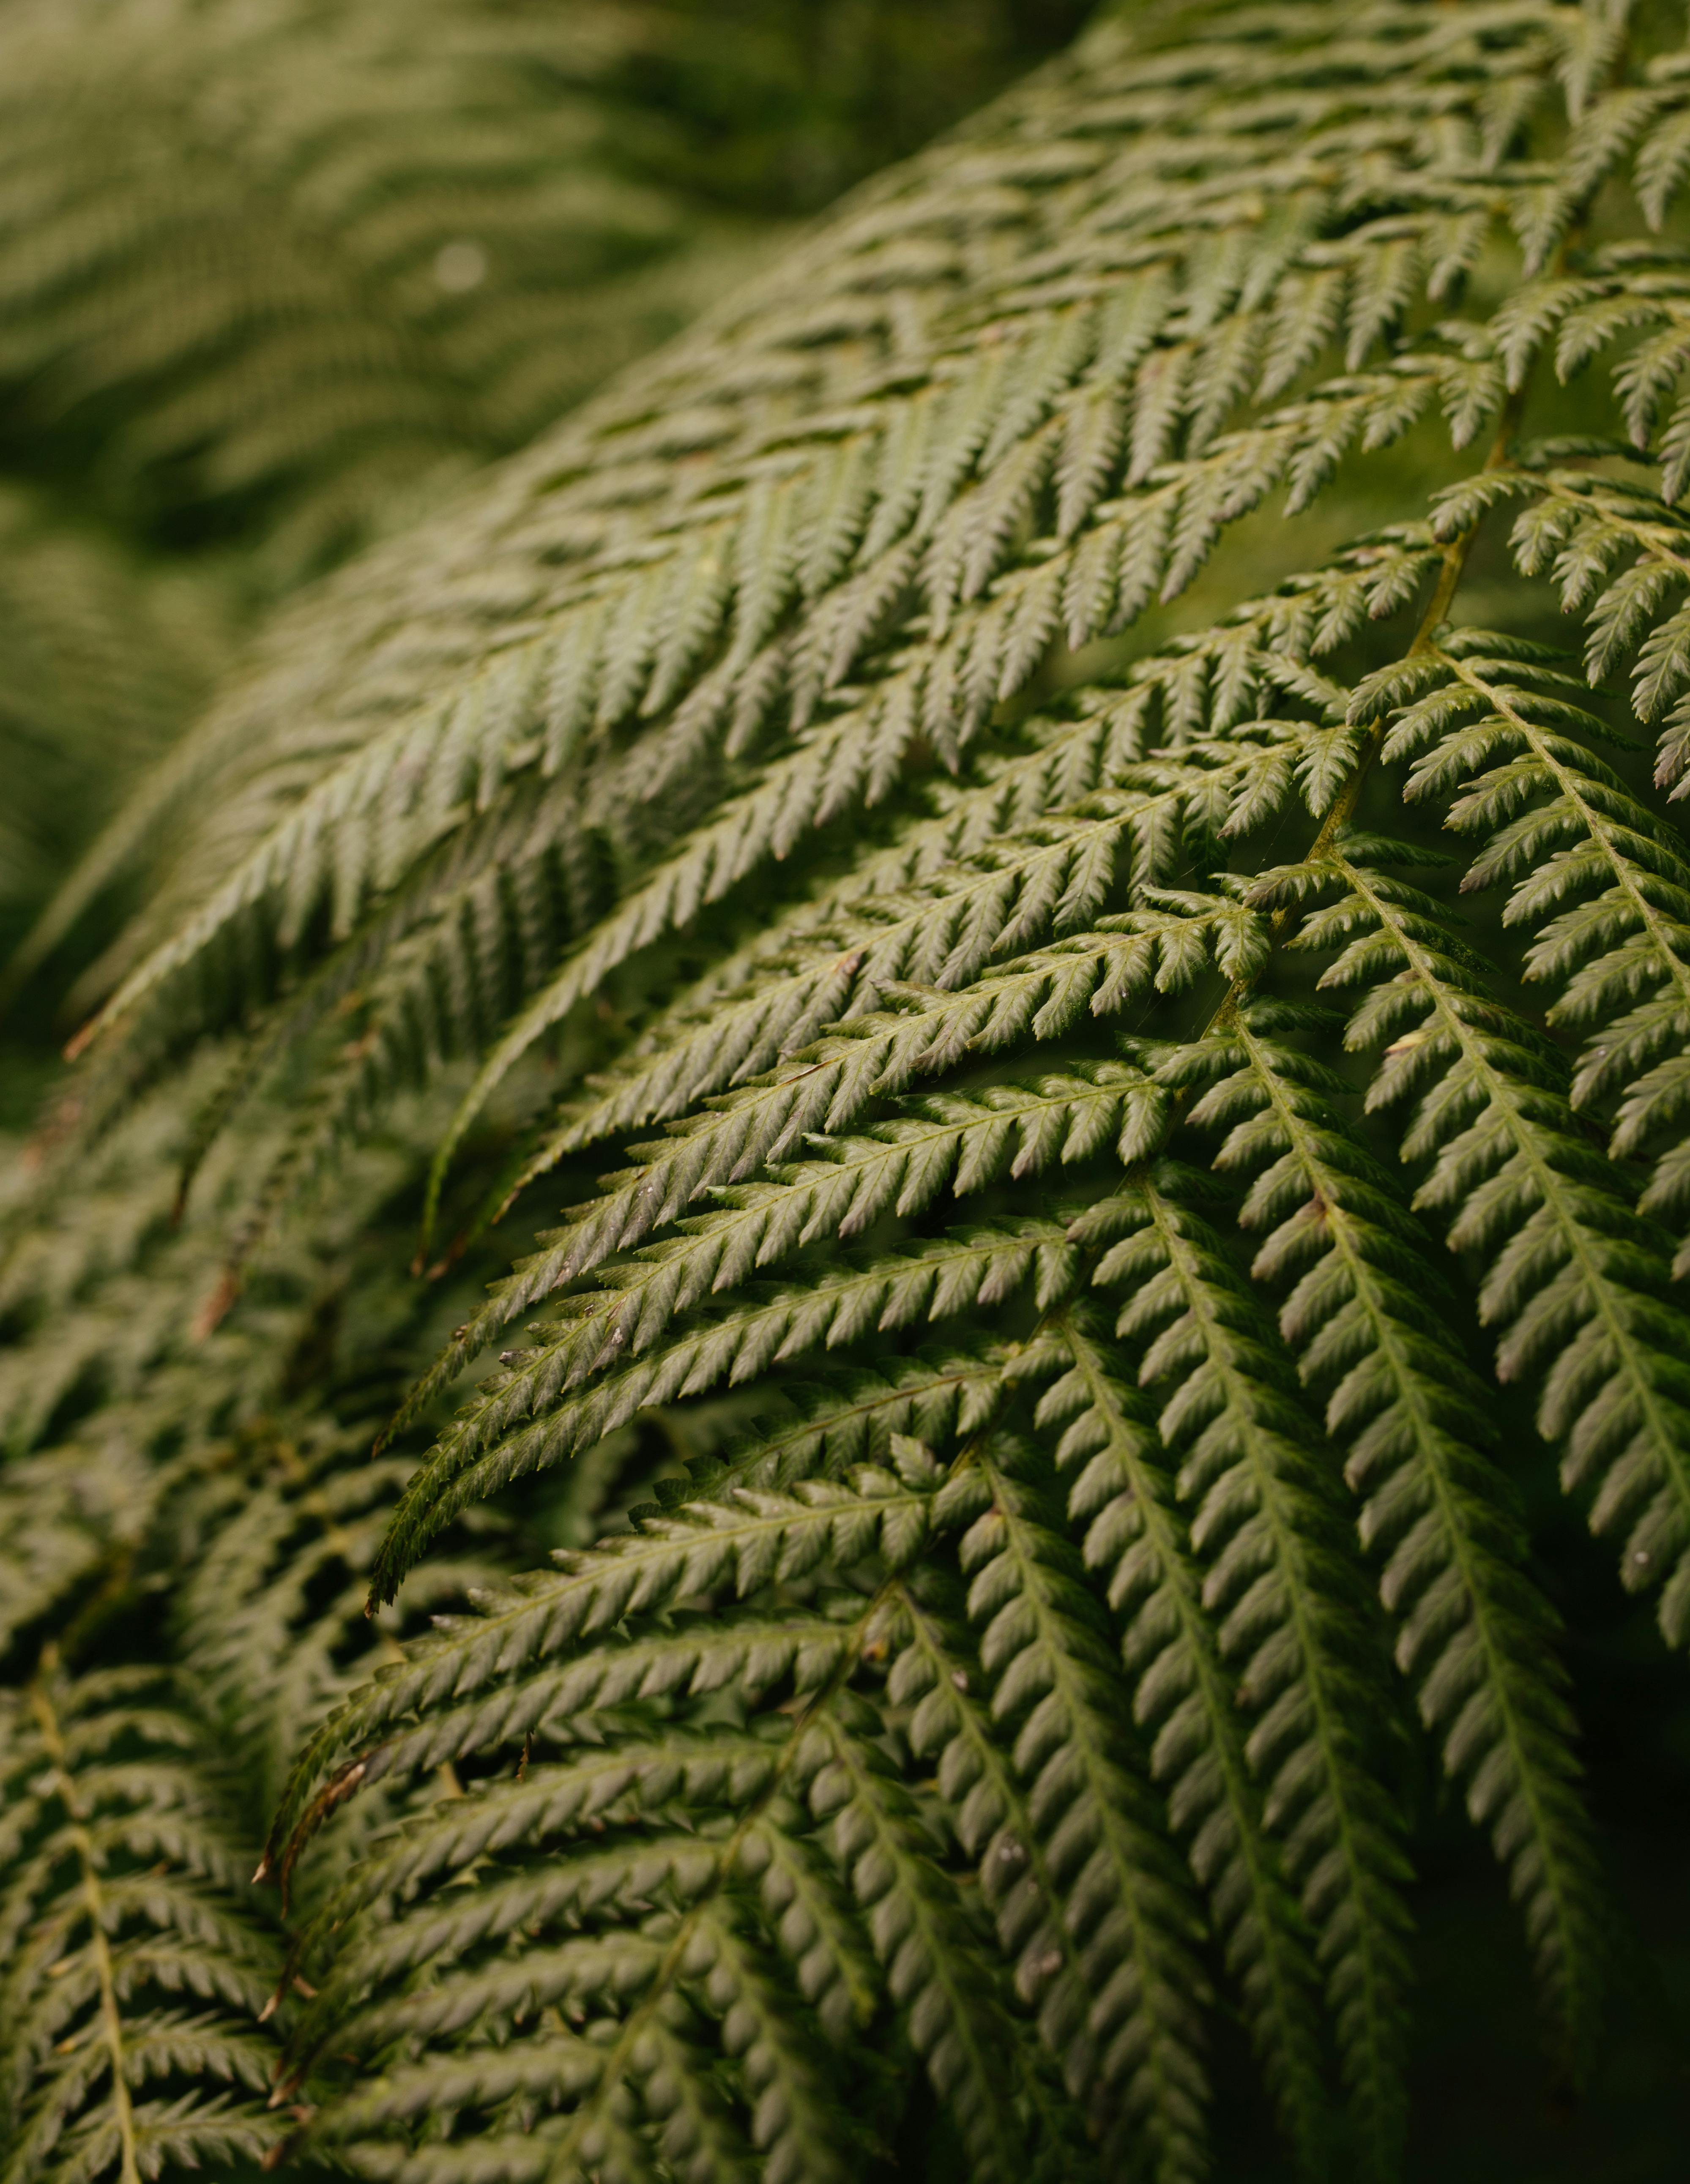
(630, 1768)
(1045, 1652)
(800, 2127)
(979, 1265)
(832, 1425)
(1602, 882)
(737, 1534)
(958, 2022)
(1616, 552)
(1285, 1593)
(1134, 1535)
(900, 1164)
(1363, 1316)
(934, 1667)
(1567, 1259)
(686, 1655)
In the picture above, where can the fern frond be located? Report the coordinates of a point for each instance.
(131, 1978)
(841, 754)
(352, 836)
(962, 399)
(306, 261)
(755, 1871)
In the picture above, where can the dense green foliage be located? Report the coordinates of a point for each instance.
(274, 278)
(1138, 677)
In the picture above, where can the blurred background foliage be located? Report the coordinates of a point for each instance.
(278, 276)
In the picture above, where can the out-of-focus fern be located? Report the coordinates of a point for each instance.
(105, 658)
(300, 265)
(312, 255)
(277, 277)
(848, 755)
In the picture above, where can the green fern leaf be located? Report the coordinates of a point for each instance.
(117, 1908)
(1279, 1583)
(917, 738)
